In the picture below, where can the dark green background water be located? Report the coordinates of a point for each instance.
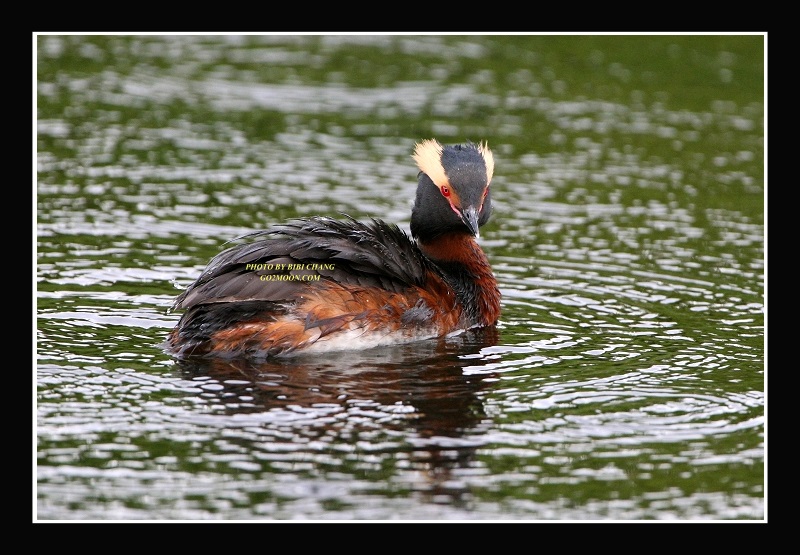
(626, 379)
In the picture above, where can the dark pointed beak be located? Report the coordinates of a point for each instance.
(470, 218)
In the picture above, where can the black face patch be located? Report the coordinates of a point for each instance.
(466, 171)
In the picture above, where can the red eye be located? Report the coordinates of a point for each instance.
(445, 190)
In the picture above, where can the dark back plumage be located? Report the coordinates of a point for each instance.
(348, 252)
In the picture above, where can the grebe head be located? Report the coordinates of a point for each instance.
(453, 189)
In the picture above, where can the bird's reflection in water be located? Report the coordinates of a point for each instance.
(430, 399)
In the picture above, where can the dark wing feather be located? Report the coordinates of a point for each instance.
(374, 254)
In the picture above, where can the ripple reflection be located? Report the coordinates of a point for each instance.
(413, 404)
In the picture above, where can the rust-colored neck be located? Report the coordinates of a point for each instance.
(466, 268)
